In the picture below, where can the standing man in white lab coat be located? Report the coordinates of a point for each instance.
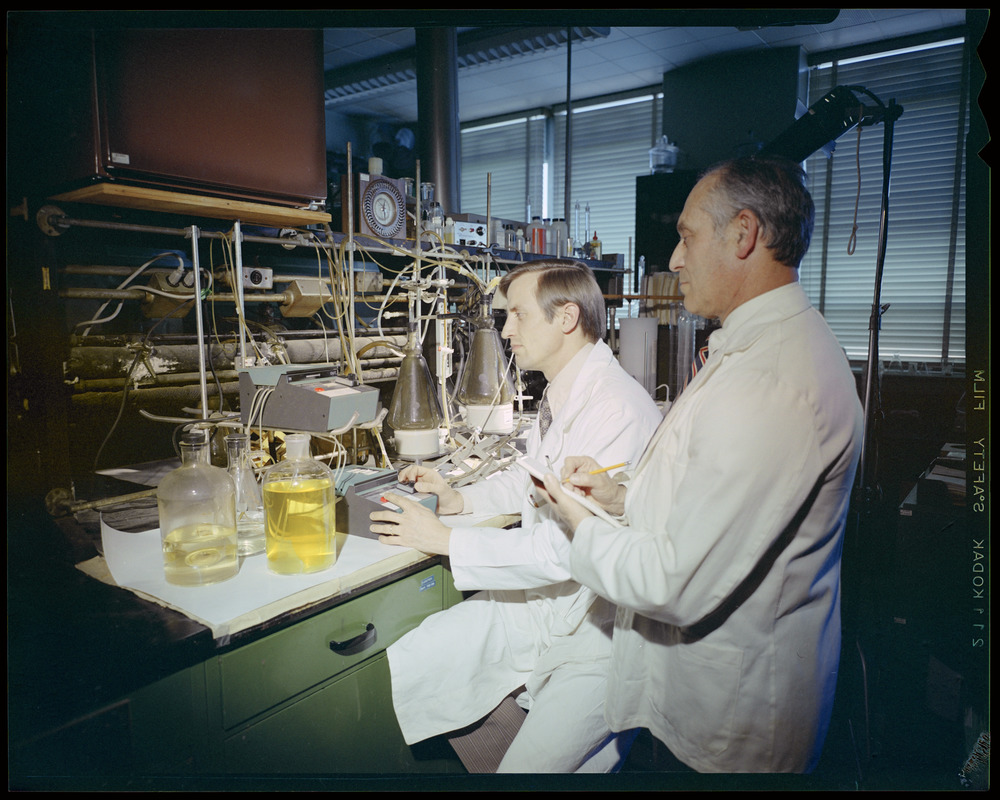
(534, 633)
(727, 571)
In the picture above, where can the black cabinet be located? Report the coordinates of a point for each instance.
(659, 200)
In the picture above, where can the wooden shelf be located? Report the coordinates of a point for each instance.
(145, 199)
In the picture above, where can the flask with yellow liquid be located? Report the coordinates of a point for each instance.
(299, 511)
(197, 510)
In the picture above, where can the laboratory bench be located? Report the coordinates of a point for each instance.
(107, 689)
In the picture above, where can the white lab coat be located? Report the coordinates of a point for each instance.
(727, 641)
(459, 664)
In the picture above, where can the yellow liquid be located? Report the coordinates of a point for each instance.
(301, 525)
(194, 555)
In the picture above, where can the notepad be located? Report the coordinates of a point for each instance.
(538, 470)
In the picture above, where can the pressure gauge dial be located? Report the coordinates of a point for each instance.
(383, 208)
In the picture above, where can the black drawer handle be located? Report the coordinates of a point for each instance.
(360, 642)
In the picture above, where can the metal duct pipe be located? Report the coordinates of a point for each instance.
(96, 362)
(178, 394)
(194, 392)
(437, 111)
(376, 366)
(141, 294)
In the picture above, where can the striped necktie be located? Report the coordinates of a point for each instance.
(699, 360)
(697, 363)
(544, 415)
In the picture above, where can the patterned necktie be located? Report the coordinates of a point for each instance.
(697, 363)
(544, 415)
(699, 360)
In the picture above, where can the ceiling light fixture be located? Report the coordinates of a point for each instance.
(475, 48)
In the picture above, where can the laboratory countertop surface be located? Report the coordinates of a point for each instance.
(76, 643)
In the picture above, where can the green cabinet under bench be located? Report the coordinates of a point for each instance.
(315, 697)
(311, 697)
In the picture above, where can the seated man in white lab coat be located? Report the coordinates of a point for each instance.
(727, 571)
(534, 633)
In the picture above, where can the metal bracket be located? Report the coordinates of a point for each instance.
(46, 219)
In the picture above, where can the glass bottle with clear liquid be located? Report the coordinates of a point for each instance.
(249, 502)
(197, 509)
(299, 511)
(431, 212)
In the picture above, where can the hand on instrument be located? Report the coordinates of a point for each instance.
(425, 479)
(414, 526)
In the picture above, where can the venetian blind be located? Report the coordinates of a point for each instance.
(526, 160)
(508, 157)
(610, 144)
(924, 267)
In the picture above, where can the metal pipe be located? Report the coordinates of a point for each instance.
(162, 379)
(110, 361)
(350, 229)
(437, 111)
(240, 309)
(76, 293)
(190, 392)
(568, 149)
(60, 220)
(104, 294)
(199, 321)
(270, 297)
(107, 269)
(417, 205)
(139, 294)
(173, 394)
(116, 339)
(489, 210)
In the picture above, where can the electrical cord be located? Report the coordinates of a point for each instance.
(852, 242)
(100, 321)
(128, 378)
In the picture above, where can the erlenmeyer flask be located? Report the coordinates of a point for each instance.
(249, 504)
(486, 392)
(415, 410)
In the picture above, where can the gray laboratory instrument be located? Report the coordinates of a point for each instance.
(314, 398)
(367, 489)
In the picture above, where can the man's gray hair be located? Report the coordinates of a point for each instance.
(774, 190)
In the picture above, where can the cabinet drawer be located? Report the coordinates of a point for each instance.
(278, 667)
(347, 726)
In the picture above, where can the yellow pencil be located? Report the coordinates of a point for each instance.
(607, 469)
(602, 469)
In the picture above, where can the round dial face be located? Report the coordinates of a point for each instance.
(383, 204)
(384, 207)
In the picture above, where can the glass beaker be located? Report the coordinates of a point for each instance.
(249, 503)
(197, 510)
(299, 511)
